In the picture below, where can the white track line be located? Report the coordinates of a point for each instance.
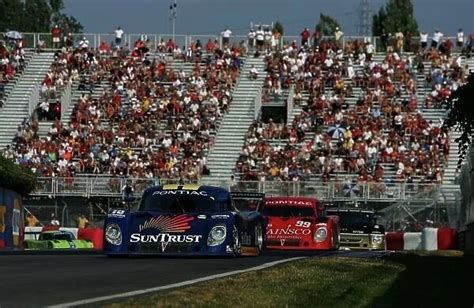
(171, 286)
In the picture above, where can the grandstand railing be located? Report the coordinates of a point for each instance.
(258, 103)
(66, 98)
(33, 99)
(32, 39)
(289, 104)
(112, 186)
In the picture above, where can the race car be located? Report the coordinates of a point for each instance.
(184, 220)
(57, 239)
(359, 229)
(296, 223)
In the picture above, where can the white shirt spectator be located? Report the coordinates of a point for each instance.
(437, 36)
(118, 33)
(259, 35)
(423, 37)
(226, 33)
(460, 37)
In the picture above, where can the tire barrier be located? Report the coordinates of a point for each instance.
(430, 239)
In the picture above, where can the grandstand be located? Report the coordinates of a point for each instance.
(156, 114)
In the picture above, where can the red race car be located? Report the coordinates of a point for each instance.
(299, 224)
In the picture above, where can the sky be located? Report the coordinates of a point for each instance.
(211, 16)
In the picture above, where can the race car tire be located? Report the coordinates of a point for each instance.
(259, 238)
(237, 243)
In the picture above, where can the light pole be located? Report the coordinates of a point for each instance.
(173, 15)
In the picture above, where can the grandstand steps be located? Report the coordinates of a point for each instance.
(16, 107)
(13, 82)
(43, 128)
(231, 135)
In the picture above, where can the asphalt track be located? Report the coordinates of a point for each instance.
(38, 280)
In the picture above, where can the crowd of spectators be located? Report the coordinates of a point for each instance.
(12, 60)
(359, 117)
(151, 122)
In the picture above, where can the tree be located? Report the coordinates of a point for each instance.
(35, 16)
(460, 116)
(397, 16)
(278, 27)
(326, 25)
(15, 177)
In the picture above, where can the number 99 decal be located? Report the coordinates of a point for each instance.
(303, 224)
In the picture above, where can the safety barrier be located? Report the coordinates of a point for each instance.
(429, 239)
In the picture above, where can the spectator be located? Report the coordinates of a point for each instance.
(54, 221)
(253, 72)
(338, 34)
(31, 220)
(460, 39)
(82, 221)
(226, 37)
(118, 36)
(260, 37)
(56, 35)
(423, 39)
(305, 35)
(436, 39)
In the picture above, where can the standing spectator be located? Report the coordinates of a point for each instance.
(423, 39)
(82, 221)
(436, 39)
(226, 36)
(31, 220)
(251, 37)
(338, 36)
(317, 38)
(56, 34)
(305, 35)
(460, 39)
(118, 36)
(54, 220)
(260, 36)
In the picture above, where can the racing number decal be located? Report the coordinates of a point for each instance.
(118, 212)
(303, 224)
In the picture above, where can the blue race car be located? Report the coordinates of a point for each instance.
(184, 220)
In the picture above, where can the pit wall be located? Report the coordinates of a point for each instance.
(11, 219)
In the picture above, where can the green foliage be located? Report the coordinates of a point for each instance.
(15, 177)
(278, 27)
(461, 115)
(326, 25)
(397, 16)
(35, 16)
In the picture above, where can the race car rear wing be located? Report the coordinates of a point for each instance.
(247, 201)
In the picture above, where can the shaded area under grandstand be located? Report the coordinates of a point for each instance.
(55, 279)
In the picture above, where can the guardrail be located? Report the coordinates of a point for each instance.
(34, 99)
(66, 98)
(112, 186)
(32, 39)
(290, 103)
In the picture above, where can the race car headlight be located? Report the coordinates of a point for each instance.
(377, 239)
(113, 235)
(320, 234)
(217, 235)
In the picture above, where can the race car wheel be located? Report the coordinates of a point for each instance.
(259, 238)
(237, 244)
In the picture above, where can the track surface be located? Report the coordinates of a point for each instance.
(41, 280)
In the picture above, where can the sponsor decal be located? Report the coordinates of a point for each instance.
(201, 216)
(288, 231)
(288, 202)
(220, 216)
(166, 224)
(246, 239)
(180, 192)
(282, 241)
(117, 214)
(164, 238)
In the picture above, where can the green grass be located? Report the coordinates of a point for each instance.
(406, 280)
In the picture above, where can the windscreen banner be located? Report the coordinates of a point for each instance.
(11, 219)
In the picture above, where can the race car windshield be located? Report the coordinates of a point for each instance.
(55, 236)
(351, 220)
(182, 204)
(288, 211)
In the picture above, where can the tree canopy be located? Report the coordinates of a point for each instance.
(460, 115)
(326, 25)
(35, 16)
(15, 177)
(278, 27)
(396, 16)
